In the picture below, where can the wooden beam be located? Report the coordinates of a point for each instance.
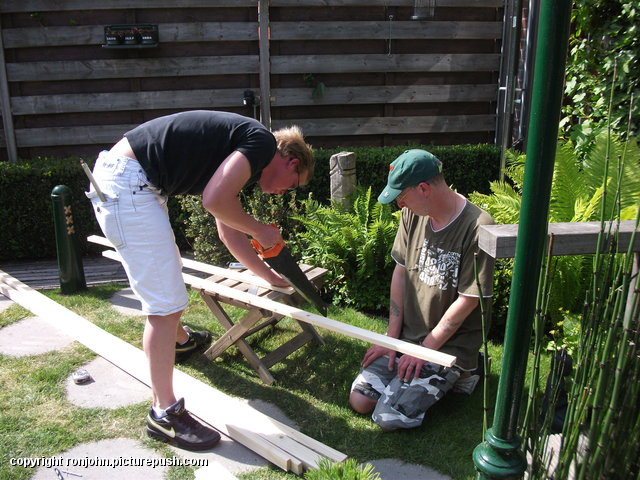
(569, 238)
(223, 412)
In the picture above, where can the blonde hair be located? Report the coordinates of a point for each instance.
(290, 143)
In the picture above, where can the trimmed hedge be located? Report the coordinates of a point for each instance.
(26, 185)
(468, 168)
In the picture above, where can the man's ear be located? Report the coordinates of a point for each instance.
(294, 162)
(424, 187)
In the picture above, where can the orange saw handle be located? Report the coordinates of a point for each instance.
(269, 252)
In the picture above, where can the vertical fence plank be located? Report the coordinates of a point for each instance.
(5, 104)
(265, 63)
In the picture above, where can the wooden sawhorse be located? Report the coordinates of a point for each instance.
(256, 318)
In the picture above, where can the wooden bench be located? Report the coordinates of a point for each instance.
(256, 318)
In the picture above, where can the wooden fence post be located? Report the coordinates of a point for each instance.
(342, 171)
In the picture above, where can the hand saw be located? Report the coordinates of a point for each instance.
(280, 259)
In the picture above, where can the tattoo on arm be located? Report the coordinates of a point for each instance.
(451, 326)
(394, 309)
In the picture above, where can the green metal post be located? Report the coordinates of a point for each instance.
(499, 456)
(69, 260)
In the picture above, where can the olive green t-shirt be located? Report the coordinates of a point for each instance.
(439, 266)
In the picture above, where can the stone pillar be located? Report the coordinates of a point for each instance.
(342, 171)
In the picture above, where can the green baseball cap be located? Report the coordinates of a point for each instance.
(409, 169)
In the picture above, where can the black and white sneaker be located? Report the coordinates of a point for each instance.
(179, 428)
(195, 342)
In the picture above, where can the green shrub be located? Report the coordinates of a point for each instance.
(467, 168)
(347, 470)
(201, 231)
(26, 212)
(353, 245)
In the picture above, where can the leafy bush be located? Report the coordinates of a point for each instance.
(201, 230)
(605, 36)
(577, 195)
(354, 247)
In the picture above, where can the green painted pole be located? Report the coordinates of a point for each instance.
(69, 261)
(499, 456)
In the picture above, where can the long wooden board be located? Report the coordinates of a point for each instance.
(212, 406)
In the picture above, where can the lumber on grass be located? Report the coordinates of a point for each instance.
(412, 349)
(221, 411)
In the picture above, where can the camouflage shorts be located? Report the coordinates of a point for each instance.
(403, 404)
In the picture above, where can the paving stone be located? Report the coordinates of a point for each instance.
(109, 387)
(31, 336)
(99, 461)
(126, 302)
(392, 469)
(5, 302)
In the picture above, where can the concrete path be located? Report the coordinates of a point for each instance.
(111, 388)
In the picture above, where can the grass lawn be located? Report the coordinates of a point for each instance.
(312, 387)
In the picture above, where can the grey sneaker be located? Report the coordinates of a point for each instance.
(179, 428)
(196, 341)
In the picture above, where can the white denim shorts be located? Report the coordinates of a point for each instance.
(135, 219)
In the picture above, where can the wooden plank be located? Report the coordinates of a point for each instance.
(569, 238)
(29, 6)
(383, 3)
(7, 6)
(30, 37)
(367, 30)
(248, 64)
(387, 94)
(390, 125)
(231, 97)
(229, 415)
(109, 134)
(404, 62)
(123, 101)
(137, 68)
(265, 449)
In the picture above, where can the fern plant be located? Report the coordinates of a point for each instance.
(354, 246)
(578, 194)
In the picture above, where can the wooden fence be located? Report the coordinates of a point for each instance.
(348, 72)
